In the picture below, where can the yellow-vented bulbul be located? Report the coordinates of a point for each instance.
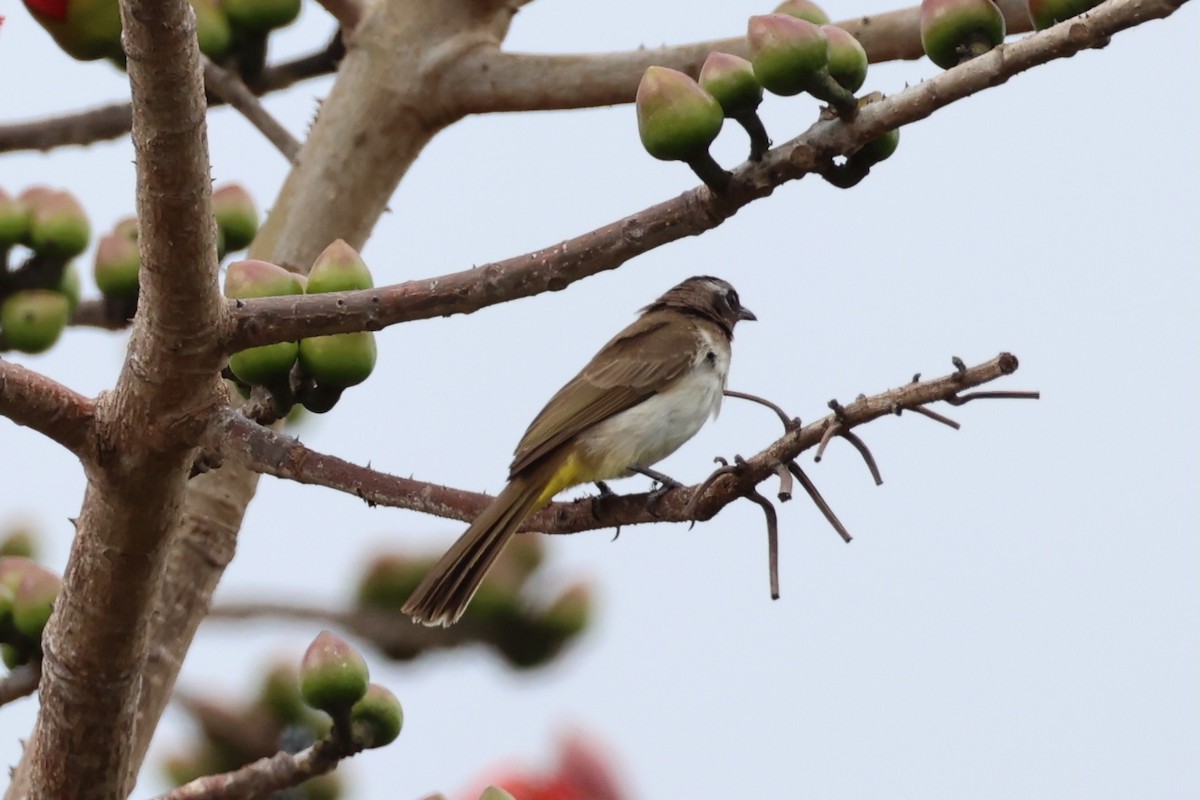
(642, 396)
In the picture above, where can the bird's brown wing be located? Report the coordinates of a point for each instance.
(649, 355)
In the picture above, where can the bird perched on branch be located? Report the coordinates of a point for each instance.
(646, 392)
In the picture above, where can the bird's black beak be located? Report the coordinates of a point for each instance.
(747, 314)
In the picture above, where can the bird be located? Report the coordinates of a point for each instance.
(645, 393)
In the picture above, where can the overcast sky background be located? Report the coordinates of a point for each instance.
(1019, 614)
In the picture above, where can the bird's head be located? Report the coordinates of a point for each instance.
(708, 297)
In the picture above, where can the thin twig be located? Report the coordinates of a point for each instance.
(959, 400)
(785, 483)
(772, 538)
(229, 87)
(832, 430)
(20, 682)
(935, 416)
(789, 423)
(31, 399)
(267, 775)
(865, 452)
(811, 488)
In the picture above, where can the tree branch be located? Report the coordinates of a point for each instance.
(267, 775)
(229, 87)
(31, 399)
(21, 682)
(115, 120)
(277, 319)
(137, 458)
(270, 453)
(488, 79)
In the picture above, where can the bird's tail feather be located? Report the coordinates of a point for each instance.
(443, 595)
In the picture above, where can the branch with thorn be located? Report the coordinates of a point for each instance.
(234, 436)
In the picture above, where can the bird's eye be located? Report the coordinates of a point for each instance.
(732, 298)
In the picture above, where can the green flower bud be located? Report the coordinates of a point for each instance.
(128, 228)
(58, 226)
(569, 614)
(19, 540)
(237, 216)
(34, 600)
(261, 15)
(377, 718)
(14, 220)
(389, 579)
(339, 268)
(878, 149)
(805, 10)
(269, 364)
(33, 319)
(847, 58)
(788, 54)
(341, 360)
(333, 676)
(212, 28)
(116, 266)
(955, 31)
(677, 120)
(71, 286)
(731, 81)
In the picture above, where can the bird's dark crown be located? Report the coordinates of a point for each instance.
(705, 296)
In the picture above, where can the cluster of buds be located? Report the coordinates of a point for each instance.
(232, 30)
(329, 696)
(27, 594)
(526, 634)
(38, 295)
(316, 370)
(117, 260)
(793, 51)
(956, 31)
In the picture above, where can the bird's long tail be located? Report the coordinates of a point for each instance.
(443, 595)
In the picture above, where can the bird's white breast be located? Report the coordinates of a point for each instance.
(656, 427)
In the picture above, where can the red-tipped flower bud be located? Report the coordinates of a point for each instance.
(237, 216)
(128, 228)
(33, 319)
(788, 53)
(805, 10)
(955, 31)
(677, 120)
(731, 81)
(339, 268)
(847, 58)
(84, 29)
(333, 676)
(377, 718)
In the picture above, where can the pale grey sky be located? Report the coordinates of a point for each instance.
(1019, 615)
